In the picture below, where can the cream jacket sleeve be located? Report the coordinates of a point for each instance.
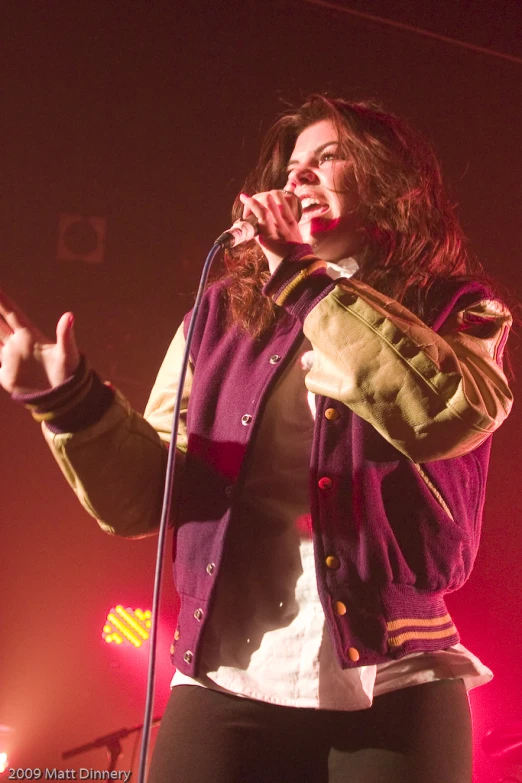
(431, 395)
(117, 466)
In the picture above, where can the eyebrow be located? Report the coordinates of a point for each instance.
(316, 152)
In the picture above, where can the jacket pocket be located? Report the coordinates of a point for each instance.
(434, 491)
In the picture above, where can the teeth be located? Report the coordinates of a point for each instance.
(309, 202)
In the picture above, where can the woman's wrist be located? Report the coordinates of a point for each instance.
(299, 282)
(72, 405)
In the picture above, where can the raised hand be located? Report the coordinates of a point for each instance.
(277, 215)
(30, 362)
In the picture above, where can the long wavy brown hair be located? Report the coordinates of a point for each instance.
(414, 239)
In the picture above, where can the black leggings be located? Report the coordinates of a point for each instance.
(420, 734)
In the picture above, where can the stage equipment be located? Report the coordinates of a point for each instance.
(110, 741)
(130, 625)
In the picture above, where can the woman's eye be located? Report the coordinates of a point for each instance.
(326, 156)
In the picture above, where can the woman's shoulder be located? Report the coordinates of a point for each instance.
(453, 294)
(213, 308)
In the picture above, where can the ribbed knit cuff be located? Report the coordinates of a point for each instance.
(299, 282)
(77, 403)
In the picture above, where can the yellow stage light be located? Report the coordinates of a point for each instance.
(125, 624)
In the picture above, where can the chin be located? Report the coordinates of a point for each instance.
(326, 251)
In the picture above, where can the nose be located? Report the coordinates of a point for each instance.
(301, 175)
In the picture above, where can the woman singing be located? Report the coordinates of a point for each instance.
(345, 379)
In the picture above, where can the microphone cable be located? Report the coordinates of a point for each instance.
(241, 231)
(222, 241)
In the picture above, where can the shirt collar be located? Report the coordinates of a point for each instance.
(346, 267)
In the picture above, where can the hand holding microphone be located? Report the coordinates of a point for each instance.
(273, 218)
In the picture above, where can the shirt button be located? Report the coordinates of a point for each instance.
(176, 634)
(274, 358)
(339, 608)
(172, 649)
(331, 414)
(353, 654)
(332, 562)
(210, 568)
(325, 483)
(229, 490)
(246, 419)
(187, 656)
(198, 615)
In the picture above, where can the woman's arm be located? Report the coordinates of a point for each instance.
(432, 395)
(112, 457)
(116, 466)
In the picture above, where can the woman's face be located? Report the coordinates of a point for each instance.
(324, 183)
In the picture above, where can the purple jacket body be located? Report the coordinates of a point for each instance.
(391, 537)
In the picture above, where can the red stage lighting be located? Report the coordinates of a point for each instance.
(127, 625)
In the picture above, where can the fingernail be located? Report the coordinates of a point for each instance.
(71, 321)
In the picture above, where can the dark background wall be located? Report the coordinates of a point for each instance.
(150, 115)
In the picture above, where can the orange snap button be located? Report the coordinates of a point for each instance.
(353, 654)
(339, 607)
(331, 414)
(332, 562)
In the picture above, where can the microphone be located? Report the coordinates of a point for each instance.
(241, 231)
(245, 229)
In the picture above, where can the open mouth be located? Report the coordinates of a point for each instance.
(312, 207)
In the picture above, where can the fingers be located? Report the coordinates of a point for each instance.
(64, 328)
(277, 216)
(292, 205)
(6, 318)
(276, 210)
(66, 340)
(13, 318)
(254, 206)
(10, 312)
(5, 330)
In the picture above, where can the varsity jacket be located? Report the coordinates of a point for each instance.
(398, 465)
